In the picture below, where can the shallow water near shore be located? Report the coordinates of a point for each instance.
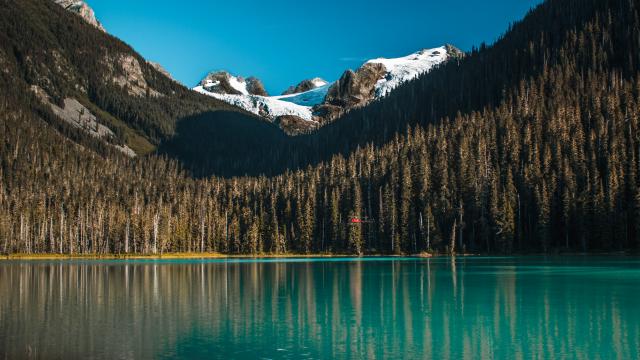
(466, 307)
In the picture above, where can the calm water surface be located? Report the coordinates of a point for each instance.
(500, 308)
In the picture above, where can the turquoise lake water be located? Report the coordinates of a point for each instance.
(458, 308)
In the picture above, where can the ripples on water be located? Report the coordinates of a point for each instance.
(503, 308)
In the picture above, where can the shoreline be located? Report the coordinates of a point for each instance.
(215, 255)
(187, 256)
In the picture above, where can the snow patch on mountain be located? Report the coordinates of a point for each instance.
(319, 82)
(208, 83)
(265, 106)
(403, 69)
(238, 84)
(308, 98)
(222, 82)
(305, 85)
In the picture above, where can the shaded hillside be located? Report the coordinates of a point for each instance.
(231, 143)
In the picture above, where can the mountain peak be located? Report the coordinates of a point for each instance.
(161, 69)
(306, 85)
(223, 82)
(377, 78)
(81, 9)
(406, 68)
(316, 101)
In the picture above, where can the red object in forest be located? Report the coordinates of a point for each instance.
(356, 221)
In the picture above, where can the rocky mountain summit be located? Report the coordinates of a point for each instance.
(314, 102)
(83, 10)
(377, 78)
(222, 82)
(309, 104)
(305, 85)
(356, 88)
(161, 69)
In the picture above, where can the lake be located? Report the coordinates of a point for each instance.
(462, 308)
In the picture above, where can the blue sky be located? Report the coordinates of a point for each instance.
(285, 41)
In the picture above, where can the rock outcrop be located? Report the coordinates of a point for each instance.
(305, 85)
(161, 69)
(356, 88)
(255, 87)
(315, 102)
(377, 78)
(222, 82)
(293, 125)
(127, 73)
(81, 9)
(77, 115)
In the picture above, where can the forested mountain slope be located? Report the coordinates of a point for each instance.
(574, 37)
(529, 145)
(48, 55)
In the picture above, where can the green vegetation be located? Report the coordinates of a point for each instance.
(137, 142)
(529, 145)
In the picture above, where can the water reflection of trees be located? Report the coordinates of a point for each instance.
(431, 308)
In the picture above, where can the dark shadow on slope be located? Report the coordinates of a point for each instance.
(227, 144)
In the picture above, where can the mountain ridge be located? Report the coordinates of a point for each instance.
(301, 109)
(83, 10)
(316, 102)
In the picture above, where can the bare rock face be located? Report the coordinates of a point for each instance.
(256, 87)
(77, 115)
(355, 89)
(305, 85)
(325, 113)
(454, 52)
(126, 72)
(293, 125)
(81, 9)
(161, 69)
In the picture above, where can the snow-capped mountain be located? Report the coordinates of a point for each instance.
(403, 69)
(82, 9)
(306, 85)
(249, 94)
(222, 82)
(309, 98)
(316, 100)
(378, 77)
(312, 101)
(267, 107)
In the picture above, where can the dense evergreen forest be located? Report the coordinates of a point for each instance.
(528, 145)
